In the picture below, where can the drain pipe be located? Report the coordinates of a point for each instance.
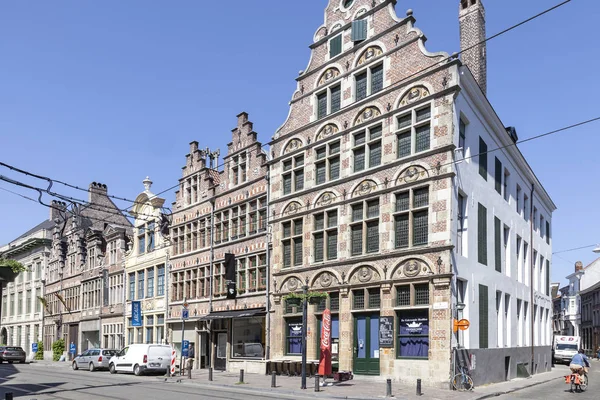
(268, 273)
(532, 316)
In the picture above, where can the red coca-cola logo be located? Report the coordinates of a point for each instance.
(326, 331)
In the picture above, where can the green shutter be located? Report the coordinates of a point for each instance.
(498, 244)
(335, 46)
(482, 234)
(482, 159)
(483, 317)
(359, 30)
(498, 176)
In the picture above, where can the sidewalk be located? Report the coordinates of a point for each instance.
(360, 387)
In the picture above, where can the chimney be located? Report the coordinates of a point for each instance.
(56, 208)
(471, 19)
(578, 266)
(96, 191)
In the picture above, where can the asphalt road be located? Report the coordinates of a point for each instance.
(42, 382)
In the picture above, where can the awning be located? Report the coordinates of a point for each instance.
(234, 314)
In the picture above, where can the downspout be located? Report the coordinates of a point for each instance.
(532, 316)
(268, 274)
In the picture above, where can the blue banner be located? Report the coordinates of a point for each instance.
(136, 313)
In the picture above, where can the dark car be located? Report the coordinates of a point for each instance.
(12, 354)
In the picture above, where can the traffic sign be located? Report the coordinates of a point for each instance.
(72, 348)
(185, 314)
(34, 347)
(185, 304)
(185, 348)
(463, 325)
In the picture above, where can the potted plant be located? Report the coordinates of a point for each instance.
(316, 297)
(9, 269)
(293, 299)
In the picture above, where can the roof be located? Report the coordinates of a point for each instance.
(46, 225)
(590, 289)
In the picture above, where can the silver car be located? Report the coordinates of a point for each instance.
(93, 359)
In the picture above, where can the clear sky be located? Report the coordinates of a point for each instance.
(112, 91)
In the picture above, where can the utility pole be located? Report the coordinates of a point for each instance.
(304, 328)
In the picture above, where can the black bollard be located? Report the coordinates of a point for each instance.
(273, 379)
(210, 374)
(317, 383)
(419, 387)
(8, 396)
(241, 376)
(388, 388)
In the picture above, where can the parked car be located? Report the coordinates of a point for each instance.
(141, 358)
(12, 354)
(93, 359)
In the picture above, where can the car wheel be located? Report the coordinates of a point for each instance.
(91, 367)
(74, 365)
(10, 362)
(111, 369)
(137, 370)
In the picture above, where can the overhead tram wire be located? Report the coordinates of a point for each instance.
(269, 143)
(574, 249)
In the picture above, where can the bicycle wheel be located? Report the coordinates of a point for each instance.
(584, 383)
(462, 383)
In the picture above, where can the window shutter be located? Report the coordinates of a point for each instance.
(482, 159)
(359, 30)
(498, 244)
(482, 234)
(498, 176)
(335, 46)
(483, 317)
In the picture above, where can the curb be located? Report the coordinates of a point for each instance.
(496, 394)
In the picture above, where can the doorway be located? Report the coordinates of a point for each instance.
(366, 344)
(221, 351)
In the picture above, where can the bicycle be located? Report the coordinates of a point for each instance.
(578, 381)
(462, 381)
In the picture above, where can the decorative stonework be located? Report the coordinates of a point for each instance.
(292, 208)
(294, 144)
(364, 274)
(292, 284)
(328, 75)
(412, 174)
(369, 54)
(412, 268)
(366, 115)
(366, 187)
(325, 199)
(326, 279)
(327, 131)
(361, 12)
(414, 94)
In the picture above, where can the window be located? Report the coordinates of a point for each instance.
(150, 283)
(325, 235)
(483, 317)
(542, 226)
(328, 162)
(547, 277)
(498, 176)
(293, 175)
(367, 148)
(365, 299)
(140, 294)
(365, 227)
(416, 294)
(535, 219)
(329, 101)
(141, 240)
(112, 252)
(519, 190)
(411, 218)
(483, 168)
(498, 244)
(238, 169)
(368, 82)
(335, 46)
(150, 329)
(38, 303)
(548, 232)
(462, 135)
(526, 208)
(461, 237)
(293, 336)
(38, 270)
(28, 302)
(247, 338)
(146, 238)
(150, 235)
(507, 266)
(413, 334)
(359, 30)
(414, 131)
(482, 234)
(506, 179)
(292, 243)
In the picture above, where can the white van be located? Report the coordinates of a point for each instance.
(141, 358)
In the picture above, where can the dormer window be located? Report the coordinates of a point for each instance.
(347, 3)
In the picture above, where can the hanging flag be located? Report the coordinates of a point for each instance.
(325, 359)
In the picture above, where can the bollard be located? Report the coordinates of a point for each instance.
(419, 387)
(210, 374)
(241, 376)
(317, 385)
(273, 379)
(8, 396)
(388, 388)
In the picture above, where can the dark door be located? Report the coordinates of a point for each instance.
(221, 351)
(73, 338)
(366, 344)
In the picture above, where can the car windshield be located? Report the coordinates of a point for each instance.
(109, 353)
(14, 349)
(563, 346)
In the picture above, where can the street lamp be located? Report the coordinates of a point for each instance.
(304, 328)
(597, 249)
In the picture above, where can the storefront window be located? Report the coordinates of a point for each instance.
(413, 334)
(293, 336)
(247, 338)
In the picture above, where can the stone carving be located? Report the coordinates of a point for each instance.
(412, 268)
(369, 54)
(360, 12)
(336, 27)
(414, 94)
(326, 199)
(327, 131)
(292, 208)
(412, 174)
(329, 74)
(292, 284)
(364, 188)
(366, 115)
(255, 171)
(326, 279)
(294, 144)
(365, 274)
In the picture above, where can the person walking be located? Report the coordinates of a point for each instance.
(190, 360)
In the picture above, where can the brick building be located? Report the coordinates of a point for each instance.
(85, 277)
(218, 212)
(370, 196)
(590, 319)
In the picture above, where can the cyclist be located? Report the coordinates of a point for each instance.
(580, 363)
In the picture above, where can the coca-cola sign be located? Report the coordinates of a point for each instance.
(326, 331)
(325, 359)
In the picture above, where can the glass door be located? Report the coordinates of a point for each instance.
(366, 344)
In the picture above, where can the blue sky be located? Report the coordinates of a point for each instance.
(112, 91)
